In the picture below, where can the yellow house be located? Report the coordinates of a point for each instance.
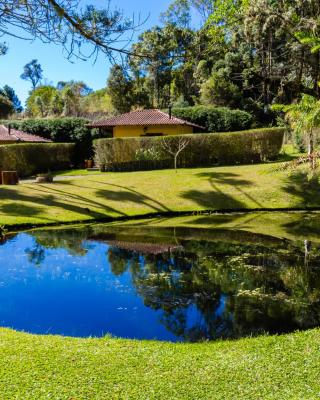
(145, 123)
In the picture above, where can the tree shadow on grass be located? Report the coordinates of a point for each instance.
(48, 196)
(230, 179)
(16, 208)
(307, 193)
(217, 199)
(210, 200)
(81, 200)
(127, 194)
(129, 197)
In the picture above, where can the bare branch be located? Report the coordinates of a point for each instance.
(83, 33)
(174, 146)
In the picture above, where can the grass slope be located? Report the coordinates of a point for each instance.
(84, 198)
(43, 367)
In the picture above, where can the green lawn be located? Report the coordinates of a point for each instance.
(53, 367)
(76, 172)
(97, 196)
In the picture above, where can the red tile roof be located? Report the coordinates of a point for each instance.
(18, 136)
(142, 117)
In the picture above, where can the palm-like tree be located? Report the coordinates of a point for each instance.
(304, 118)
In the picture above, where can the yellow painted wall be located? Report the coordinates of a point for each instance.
(134, 131)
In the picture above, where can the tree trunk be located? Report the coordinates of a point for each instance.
(175, 162)
(311, 143)
(310, 150)
(316, 75)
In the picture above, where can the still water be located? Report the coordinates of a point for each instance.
(176, 284)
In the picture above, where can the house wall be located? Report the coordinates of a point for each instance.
(134, 131)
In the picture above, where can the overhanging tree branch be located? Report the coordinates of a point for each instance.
(82, 32)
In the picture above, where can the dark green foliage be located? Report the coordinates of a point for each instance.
(57, 129)
(245, 54)
(120, 89)
(30, 158)
(10, 94)
(163, 74)
(67, 130)
(203, 150)
(6, 107)
(215, 119)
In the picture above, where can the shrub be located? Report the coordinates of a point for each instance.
(215, 119)
(6, 107)
(30, 158)
(147, 154)
(244, 147)
(66, 130)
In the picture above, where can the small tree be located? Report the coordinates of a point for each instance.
(174, 146)
(304, 118)
(39, 103)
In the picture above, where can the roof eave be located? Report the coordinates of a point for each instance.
(195, 125)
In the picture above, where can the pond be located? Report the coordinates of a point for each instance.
(207, 280)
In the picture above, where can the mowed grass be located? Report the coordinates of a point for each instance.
(114, 195)
(53, 367)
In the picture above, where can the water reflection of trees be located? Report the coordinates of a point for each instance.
(263, 289)
(213, 288)
(36, 254)
(71, 240)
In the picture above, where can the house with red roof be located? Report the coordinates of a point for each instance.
(11, 136)
(145, 123)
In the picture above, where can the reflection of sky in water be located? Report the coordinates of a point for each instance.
(74, 295)
(235, 285)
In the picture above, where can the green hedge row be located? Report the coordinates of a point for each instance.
(60, 130)
(215, 119)
(123, 154)
(31, 158)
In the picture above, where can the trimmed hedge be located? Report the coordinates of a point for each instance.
(60, 130)
(31, 158)
(216, 119)
(129, 154)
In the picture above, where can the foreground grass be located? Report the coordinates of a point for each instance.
(89, 197)
(53, 367)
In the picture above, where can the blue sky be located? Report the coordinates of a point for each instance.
(55, 66)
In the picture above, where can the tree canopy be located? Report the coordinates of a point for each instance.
(32, 72)
(247, 54)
